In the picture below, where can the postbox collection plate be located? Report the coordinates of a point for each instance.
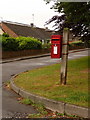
(56, 46)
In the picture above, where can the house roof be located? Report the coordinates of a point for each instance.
(27, 30)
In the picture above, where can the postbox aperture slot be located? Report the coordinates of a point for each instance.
(55, 39)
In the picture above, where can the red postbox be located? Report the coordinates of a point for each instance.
(56, 46)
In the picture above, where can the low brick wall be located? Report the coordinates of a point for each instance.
(16, 54)
(76, 47)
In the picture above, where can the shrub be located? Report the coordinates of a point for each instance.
(20, 43)
(5, 35)
(46, 46)
(9, 44)
(76, 45)
(26, 43)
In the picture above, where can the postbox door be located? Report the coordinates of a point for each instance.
(55, 51)
(56, 46)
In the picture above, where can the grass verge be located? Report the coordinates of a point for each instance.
(45, 82)
(41, 109)
(43, 112)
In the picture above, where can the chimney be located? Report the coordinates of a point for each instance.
(46, 29)
(32, 25)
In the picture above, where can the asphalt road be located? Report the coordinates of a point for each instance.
(10, 105)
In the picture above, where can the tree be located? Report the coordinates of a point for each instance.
(75, 16)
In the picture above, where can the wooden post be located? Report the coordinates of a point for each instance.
(64, 56)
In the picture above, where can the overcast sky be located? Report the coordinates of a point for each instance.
(26, 11)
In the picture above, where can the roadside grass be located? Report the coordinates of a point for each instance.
(45, 81)
(43, 112)
(39, 106)
(41, 109)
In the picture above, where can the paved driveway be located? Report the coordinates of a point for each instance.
(10, 106)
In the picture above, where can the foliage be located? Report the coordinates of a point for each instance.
(26, 43)
(20, 43)
(9, 44)
(26, 101)
(74, 15)
(5, 35)
(41, 109)
(46, 45)
(78, 44)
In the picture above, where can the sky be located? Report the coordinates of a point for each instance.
(27, 11)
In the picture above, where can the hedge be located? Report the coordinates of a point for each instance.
(46, 46)
(20, 43)
(27, 43)
(5, 35)
(76, 45)
(9, 44)
(72, 45)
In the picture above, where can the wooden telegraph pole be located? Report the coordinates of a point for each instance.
(64, 56)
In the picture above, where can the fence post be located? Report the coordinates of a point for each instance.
(64, 58)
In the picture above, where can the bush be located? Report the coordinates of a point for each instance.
(26, 43)
(20, 43)
(76, 45)
(5, 35)
(9, 44)
(46, 46)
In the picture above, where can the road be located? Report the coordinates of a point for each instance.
(10, 105)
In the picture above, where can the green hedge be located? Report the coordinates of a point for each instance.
(9, 44)
(20, 43)
(76, 45)
(26, 43)
(46, 46)
(5, 35)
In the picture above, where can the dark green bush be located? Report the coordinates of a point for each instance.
(5, 35)
(20, 43)
(9, 44)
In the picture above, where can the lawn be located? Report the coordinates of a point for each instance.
(45, 81)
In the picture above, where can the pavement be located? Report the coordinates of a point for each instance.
(49, 103)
